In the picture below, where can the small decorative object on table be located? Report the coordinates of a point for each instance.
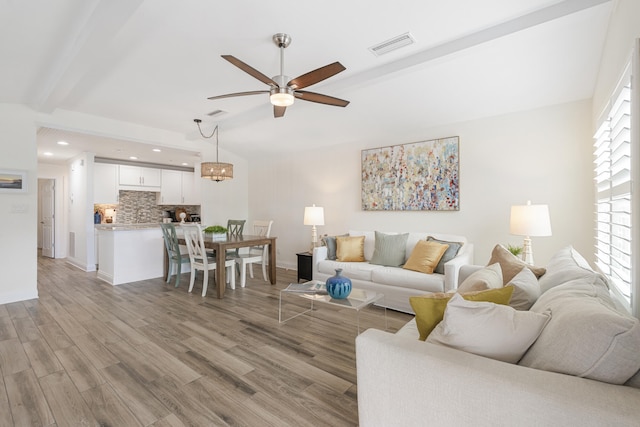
(217, 232)
(338, 286)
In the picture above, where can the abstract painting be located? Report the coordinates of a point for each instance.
(419, 176)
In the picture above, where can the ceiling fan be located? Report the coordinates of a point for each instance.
(282, 90)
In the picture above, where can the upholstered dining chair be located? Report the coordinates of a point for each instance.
(177, 254)
(200, 260)
(256, 254)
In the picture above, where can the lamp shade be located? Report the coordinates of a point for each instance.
(530, 220)
(313, 215)
(216, 171)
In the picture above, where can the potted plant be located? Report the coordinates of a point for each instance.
(515, 250)
(217, 232)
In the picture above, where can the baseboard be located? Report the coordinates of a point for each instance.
(10, 297)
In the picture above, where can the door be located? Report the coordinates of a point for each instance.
(47, 200)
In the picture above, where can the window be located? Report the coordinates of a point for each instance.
(613, 151)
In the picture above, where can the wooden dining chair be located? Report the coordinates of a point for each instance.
(176, 253)
(235, 228)
(256, 254)
(200, 260)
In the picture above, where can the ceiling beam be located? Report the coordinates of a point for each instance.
(82, 51)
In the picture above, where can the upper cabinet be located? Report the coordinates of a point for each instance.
(179, 188)
(105, 183)
(138, 176)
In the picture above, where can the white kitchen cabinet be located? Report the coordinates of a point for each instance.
(105, 183)
(179, 188)
(138, 176)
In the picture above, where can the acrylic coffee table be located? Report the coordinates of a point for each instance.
(357, 300)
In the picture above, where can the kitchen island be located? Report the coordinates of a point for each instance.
(130, 252)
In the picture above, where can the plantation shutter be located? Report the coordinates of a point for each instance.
(612, 152)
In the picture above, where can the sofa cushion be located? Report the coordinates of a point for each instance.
(586, 336)
(389, 249)
(565, 265)
(425, 256)
(400, 277)
(430, 308)
(450, 253)
(525, 290)
(350, 248)
(511, 265)
(352, 270)
(486, 329)
(487, 278)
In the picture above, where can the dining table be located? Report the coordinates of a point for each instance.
(220, 245)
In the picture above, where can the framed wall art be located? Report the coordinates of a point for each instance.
(419, 176)
(13, 181)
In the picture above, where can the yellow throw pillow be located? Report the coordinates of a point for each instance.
(510, 264)
(430, 308)
(350, 248)
(425, 256)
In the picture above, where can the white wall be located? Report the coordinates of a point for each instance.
(80, 212)
(18, 212)
(542, 155)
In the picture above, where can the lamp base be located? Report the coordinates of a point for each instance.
(314, 238)
(527, 251)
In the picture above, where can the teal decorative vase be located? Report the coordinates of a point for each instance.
(338, 286)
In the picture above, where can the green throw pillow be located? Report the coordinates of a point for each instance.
(389, 249)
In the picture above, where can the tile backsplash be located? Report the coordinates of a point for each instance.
(140, 207)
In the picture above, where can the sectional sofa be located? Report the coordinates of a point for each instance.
(578, 372)
(396, 283)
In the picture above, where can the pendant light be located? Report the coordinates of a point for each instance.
(215, 171)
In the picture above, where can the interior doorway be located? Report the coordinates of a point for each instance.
(46, 217)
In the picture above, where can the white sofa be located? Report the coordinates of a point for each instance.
(397, 284)
(407, 382)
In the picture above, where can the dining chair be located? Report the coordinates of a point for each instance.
(200, 260)
(177, 254)
(256, 254)
(235, 228)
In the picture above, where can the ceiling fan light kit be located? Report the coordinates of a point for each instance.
(283, 91)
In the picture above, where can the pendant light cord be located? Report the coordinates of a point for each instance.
(215, 132)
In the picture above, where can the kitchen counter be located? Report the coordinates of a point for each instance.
(130, 252)
(115, 227)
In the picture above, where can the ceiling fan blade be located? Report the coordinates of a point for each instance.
(319, 98)
(230, 95)
(278, 111)
(250, 70)
(315, 76)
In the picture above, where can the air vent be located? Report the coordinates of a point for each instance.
(216, 113)
(390, 45)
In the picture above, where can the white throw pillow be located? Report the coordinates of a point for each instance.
(526, 290)
(487, 329)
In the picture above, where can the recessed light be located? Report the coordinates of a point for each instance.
(47, 153)
(63, 143)
(133, 158)
(157, 150)
(185, 164)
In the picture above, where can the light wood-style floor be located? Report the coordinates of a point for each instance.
(87, 353)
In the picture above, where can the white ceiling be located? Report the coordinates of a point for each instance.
(155, 62)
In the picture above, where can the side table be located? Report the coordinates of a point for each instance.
(305, 266)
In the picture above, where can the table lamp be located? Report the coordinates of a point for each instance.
(529, 220)
(314, 215)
